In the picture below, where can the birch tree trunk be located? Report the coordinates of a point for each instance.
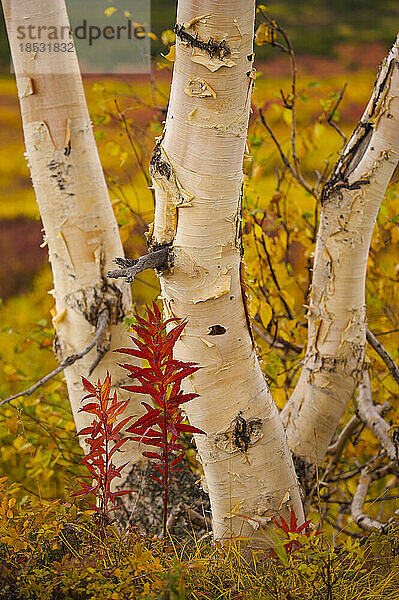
(80, 228)
(197, 176)
(337, 313)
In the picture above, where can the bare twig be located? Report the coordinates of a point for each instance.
(277, 342)
(379, 348)
(133, 147)
(273, 274)
(102, 322)
(277, 143)
(160, 259)
(294, 172)
(290, 104)
(386, 332)
(336, 449)
(330, 118)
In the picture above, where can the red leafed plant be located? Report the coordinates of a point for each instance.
(293, 528)
(104, 440)
(162, 424)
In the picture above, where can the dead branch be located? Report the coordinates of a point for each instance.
(102, 322)
(159, 259)
(379, 348)
(370, 414)
(290, 104)
(336, 449)
(338, 446)
(359, 516)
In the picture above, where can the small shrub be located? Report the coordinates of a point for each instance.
(162, 424)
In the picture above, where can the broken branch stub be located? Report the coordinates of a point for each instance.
(161, 260)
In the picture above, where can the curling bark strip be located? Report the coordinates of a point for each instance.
(197, 176)
(80, 228)
(351, 199)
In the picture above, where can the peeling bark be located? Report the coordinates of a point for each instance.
(351, 199)
(80, 228)
(197, 177)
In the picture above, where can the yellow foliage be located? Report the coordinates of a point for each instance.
(110, 11)
(265, 34)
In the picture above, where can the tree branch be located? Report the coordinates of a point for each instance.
(359, 516)
(277, 342)
(159, 259)
(379, 348)
(371, 417)
(338, 446)
(102, 322)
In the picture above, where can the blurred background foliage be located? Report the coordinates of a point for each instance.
(336, 44)
(316, 26)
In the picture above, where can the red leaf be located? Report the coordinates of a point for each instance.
(92, 407)
(116, 446)
(143, 389)
(159, 468)
(182, 398)
(106, 387)
(121, 424)
(177, 460)
(188, 428)
(283, 525)
(152, 455)
(131, 352)
(146, 420)
(89, 386)
(96, 429)
(293, 521)
(159, 481)
(303, 526)
(123, 492)
(85, 431)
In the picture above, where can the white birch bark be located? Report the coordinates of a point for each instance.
(197, 175)
(80, 228)
(337, 313)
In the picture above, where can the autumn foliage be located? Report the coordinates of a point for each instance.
(293, 528)
(104, 439)
(162, 424)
